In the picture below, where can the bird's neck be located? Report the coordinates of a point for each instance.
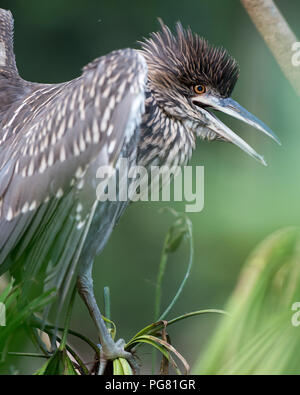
(164, 140)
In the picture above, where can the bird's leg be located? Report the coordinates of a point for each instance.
(110, 350)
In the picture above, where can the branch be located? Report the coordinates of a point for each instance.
(277, 35)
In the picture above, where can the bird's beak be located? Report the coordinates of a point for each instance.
(231, 107)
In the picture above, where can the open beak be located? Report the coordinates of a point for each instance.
(231, 107)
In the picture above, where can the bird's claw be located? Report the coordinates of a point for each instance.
(116, 351)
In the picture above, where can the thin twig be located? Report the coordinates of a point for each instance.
(277, 34)
(26, 354)
(188, 271)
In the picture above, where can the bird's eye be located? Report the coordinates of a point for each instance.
(199, 89)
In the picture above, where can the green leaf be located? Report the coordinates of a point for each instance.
(7, 290)
(126, 367)
(112, 330)
(41, 370)
(156, 327)
(175, 235)
(150, 329)
(164, 348)
(148, 340)
(16, 317)
(117, 367)
(258, 336)
(58, 364)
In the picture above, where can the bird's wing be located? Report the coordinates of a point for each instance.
(56, 130)
(46, 144)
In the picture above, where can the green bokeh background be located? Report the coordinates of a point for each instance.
(244, 201)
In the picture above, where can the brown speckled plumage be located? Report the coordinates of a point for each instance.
(176, 63)
(136, 104)
(143, 105)
(45, 127)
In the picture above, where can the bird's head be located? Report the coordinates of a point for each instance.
(189, 78)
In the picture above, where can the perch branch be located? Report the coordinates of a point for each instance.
(277, 35)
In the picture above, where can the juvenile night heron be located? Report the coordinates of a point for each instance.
(147, 105)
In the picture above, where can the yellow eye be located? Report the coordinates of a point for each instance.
(199, 89)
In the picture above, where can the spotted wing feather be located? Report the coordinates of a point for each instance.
(48, 141)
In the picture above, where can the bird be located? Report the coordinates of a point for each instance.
(147, 105)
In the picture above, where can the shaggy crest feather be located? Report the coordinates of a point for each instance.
(188, 59)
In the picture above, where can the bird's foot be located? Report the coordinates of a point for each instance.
(113, 351)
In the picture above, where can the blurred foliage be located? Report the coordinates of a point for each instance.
(17, 315)
(244, 202)
(65, 360)
(261, 334)
(258, 336)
